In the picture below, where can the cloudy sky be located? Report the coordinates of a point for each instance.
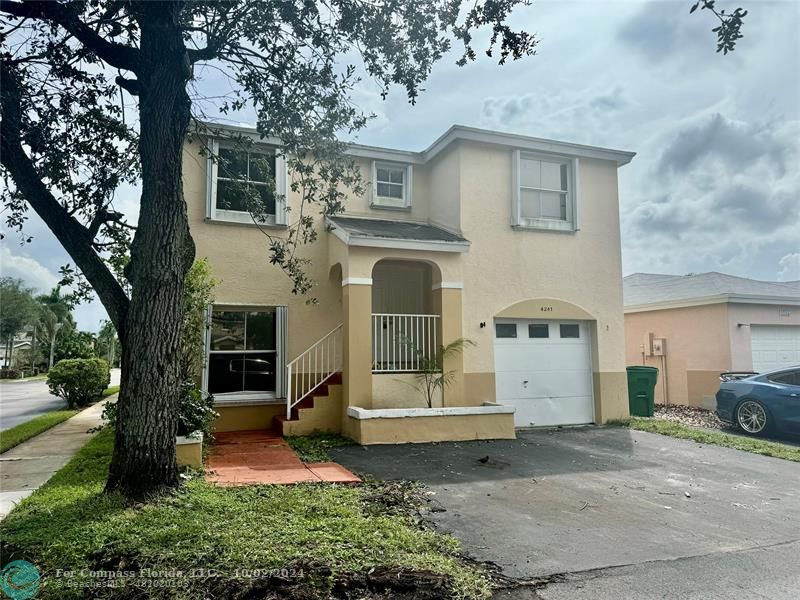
(716, 181)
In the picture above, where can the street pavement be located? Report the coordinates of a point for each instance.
(609, 513)
(21, 401)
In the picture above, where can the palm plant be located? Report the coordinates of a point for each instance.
(432, 377)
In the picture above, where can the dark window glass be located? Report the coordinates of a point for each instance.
(505, 330)
(250, 372)
(539, 330)
(266, 198)
(232, 195)
(569, 330)
(227, 330)
(262, 167)
(786, 378)
(260, 331)
(243, 351)
(239, 176)
(232, 164)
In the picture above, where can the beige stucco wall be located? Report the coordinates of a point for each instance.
(325, 415)
(445, 189)
(697, 339)
(400, 390)
(466, 187)
(239, 258)
(511, 271)
(431, 429)
(244, 418)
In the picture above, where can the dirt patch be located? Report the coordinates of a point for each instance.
(690, 416)
(406, 498)
(317, 582)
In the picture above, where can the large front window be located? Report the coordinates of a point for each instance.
(243, 353)
(246, 185)
(544, 192)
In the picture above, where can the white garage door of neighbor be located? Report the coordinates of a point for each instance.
(544, 370)
(774, 346)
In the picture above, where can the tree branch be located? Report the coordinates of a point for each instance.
(117, 55)
(75, 238)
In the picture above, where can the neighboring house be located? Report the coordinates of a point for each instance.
(509, 241)
(20, 344)
(694, 327)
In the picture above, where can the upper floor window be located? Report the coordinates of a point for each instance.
(391, 185)
(246, 184)
(544, 192)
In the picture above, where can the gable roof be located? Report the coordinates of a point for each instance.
(648, 291)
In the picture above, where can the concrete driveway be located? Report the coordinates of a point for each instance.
(21, 401)
(611, 513)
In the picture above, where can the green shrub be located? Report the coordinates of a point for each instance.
(79, 381)
(195, 410)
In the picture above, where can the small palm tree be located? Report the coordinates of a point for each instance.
(431, 376)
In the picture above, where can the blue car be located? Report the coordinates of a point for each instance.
(762, 403)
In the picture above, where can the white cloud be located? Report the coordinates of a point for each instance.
(30, 270)
(789, 267)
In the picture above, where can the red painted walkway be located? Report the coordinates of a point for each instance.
(262, 457)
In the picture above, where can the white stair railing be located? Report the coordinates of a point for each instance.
(401, 343)
(312, 368)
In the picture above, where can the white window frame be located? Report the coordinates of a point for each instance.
(237, 216)
(571, 224)
(403, 203)
(281, 329)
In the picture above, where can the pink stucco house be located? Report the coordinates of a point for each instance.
(693, 327)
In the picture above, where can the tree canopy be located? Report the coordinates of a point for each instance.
(67, 145)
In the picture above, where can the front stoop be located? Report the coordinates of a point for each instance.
(263, 457)
(320, 411)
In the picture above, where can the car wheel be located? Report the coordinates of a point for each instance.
(752, 417)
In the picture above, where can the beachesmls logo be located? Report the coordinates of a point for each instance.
(20, 580)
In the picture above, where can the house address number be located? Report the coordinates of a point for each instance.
(546, 309)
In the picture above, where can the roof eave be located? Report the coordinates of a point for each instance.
(716, 299)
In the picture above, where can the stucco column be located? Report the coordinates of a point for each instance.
(357, 343)
(447, 303)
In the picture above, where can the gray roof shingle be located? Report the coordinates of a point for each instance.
(651, 288)
(399, 230)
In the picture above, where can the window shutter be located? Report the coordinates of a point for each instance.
(211, 179)
(206, 348)
(409, 190)
(374, 197)
(515, 196)
(282, 326)
(281, 188)
(576, 211)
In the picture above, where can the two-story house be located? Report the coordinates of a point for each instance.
(509, 241)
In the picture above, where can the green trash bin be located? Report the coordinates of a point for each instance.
(642, 390)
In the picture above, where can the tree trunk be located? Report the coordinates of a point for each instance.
(161, 253)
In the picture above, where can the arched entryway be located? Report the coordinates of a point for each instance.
(405, 326)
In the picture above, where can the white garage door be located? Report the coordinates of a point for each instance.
(774, 346)
(544, 370)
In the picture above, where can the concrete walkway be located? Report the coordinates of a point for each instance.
(28, 466)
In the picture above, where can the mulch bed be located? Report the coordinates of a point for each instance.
(690, 416)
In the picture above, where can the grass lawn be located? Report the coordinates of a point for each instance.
(333, 536)
(110, 391)
(314, 448)
(719, 438)
(25, 431)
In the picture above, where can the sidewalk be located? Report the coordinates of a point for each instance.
(28, 466)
